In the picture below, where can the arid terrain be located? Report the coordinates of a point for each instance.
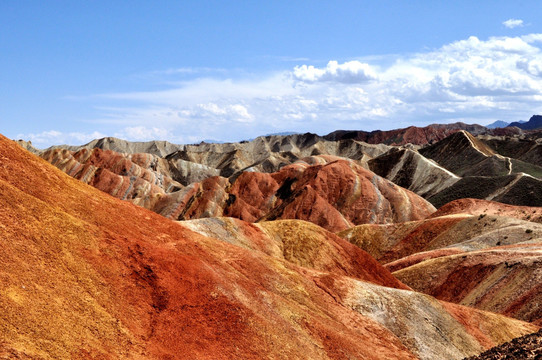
(416, 243)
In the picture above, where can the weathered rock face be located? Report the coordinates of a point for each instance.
(157, 148)
(329, 191)
(335, 195)
(265, 154)
(85, 275)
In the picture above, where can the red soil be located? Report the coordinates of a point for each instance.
(478, 207)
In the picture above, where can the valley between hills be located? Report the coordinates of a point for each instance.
(415, 243)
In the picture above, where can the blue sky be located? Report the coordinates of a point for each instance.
(185, 71)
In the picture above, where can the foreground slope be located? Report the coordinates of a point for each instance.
(85, 275)
(491, 262)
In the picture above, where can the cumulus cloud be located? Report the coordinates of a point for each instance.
(470, 80)
(513, 23)
(350, 72)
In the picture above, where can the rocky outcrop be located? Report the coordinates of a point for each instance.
(265, 154)
(528, 347)
(27, 145)
(88, 276)
(270, 153)
(502, 279)
(141, 178)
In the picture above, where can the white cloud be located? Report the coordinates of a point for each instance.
(470, 80)
(350, 72)
(513, 23)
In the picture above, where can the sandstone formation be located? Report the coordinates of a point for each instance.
(444, 234)
(330, 191)
(266, 153)
(447, 162)
(85, 275)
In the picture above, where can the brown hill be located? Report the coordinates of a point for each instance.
(412, 134)
(330, 191)
(85, 275)
(503, 279)
(135, 177)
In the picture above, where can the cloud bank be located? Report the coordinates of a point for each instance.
(470, 80)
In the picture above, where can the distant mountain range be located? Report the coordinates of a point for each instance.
(535, 122)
